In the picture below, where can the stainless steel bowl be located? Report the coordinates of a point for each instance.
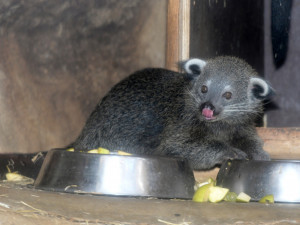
(259, 178)
(147, 176)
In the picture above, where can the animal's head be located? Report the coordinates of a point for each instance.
(225, 88)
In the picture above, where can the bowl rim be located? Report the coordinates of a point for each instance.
(115, 154)
(263, 161)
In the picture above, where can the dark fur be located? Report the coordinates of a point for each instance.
(157, 111)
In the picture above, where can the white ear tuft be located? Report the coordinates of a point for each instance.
(263, 88)
(194, 66)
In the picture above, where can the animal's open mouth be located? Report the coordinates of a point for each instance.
(208, 113)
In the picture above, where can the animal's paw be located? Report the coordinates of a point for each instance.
(261, 155)
(230, 154)
(236, 154)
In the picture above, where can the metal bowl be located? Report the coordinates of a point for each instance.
(259, 178)
(146, 176)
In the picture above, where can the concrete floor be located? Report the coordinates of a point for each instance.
(22, 205)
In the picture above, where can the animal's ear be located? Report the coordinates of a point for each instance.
(260, 89)
(193, 66)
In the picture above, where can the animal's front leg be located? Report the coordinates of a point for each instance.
(202, 154)
(253, 147)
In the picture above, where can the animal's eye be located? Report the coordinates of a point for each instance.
(227, 95)
(204, 89)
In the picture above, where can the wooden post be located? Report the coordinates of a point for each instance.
(178, 32)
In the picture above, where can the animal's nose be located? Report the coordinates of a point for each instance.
(207, 105)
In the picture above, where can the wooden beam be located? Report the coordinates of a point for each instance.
(184, 29)
(178, 32)
(281, 143)
(172, 53)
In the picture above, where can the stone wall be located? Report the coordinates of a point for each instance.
(58, 58)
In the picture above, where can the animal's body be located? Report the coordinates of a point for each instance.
(205, 115)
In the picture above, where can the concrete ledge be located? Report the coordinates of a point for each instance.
(21, 205)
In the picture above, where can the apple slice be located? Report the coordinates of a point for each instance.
(230, 197)
(217, 194)
(202, 193)
(267, 199)
(243, 197)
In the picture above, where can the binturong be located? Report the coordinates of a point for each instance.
(206, 114)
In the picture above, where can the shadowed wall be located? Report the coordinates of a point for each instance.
(57, 59)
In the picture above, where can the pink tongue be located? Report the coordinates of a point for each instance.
(208, 113)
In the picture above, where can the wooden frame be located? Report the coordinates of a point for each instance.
(178, 32)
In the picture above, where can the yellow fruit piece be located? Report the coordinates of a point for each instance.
(202, 194)
(230, 197)
(93, 151)
(242, 197)
(103, 151)
(123, 153)
(267, 199)
(15, 177)
(70, 149)
(217, 194)
(99, 151)
(210, 180)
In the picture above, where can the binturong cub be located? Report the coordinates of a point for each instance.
(206, 114)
